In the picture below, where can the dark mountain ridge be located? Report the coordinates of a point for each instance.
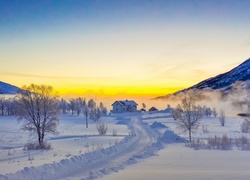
(6, 88)
(240, 73)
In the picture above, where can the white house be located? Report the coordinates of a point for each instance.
(124, 106)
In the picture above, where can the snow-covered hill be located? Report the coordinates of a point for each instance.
(224, 83)
(6, 88)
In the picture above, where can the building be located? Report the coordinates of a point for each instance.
(124, 106)
(153, 109)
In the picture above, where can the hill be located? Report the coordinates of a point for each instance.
(6, 88)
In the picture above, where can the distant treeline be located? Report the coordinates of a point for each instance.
(71, 106)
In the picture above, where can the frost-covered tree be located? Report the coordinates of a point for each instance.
(206, 111)
(85, 112)
(2, 105)
(103, 108)
(91, 104)
(79, 104)
(63, 106)
(38, 109)
(174, 113)
(10, 106)
(92, 107)
(188, 115)
(72, 105)
(215, 114)
(97, 114)
(222, 118)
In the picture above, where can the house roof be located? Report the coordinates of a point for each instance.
(126, 103)
(153, 109)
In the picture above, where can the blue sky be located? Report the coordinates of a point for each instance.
(117, 47)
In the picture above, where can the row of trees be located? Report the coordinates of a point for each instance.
(77, 105)
(7, 106)
(38, 107)
(89, 109)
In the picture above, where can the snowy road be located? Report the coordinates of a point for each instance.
(141, 144)
(123, 157)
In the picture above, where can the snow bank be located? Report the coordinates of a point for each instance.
(170, 137)
(156, 125)
(67, 166)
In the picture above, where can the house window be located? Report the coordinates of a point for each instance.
(116, 109)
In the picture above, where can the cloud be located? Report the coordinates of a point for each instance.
(58, 77)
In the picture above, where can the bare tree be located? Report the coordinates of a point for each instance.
(38, 108)
(222, 118)
(188, 115)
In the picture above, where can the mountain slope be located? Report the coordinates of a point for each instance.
(222, 82)
(6, 88)
(240, 73)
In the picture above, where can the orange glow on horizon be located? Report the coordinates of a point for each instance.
(146, 92)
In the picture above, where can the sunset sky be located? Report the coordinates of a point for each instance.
(121, 47)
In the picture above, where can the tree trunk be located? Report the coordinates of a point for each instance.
(189, 132)
(87, 123)
(39, 139)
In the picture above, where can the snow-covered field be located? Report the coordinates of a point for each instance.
(141, 149)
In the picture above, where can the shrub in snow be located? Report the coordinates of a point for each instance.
(245, 126)
(34, 146)
(196, 144)
(242, 143)
(102, 128)
(223, 143)
(226, 143)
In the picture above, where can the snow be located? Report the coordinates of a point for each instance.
(147, 146)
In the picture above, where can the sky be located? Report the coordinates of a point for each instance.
(121, 47)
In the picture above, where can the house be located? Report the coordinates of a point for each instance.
(153, 109)
(124, 106)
